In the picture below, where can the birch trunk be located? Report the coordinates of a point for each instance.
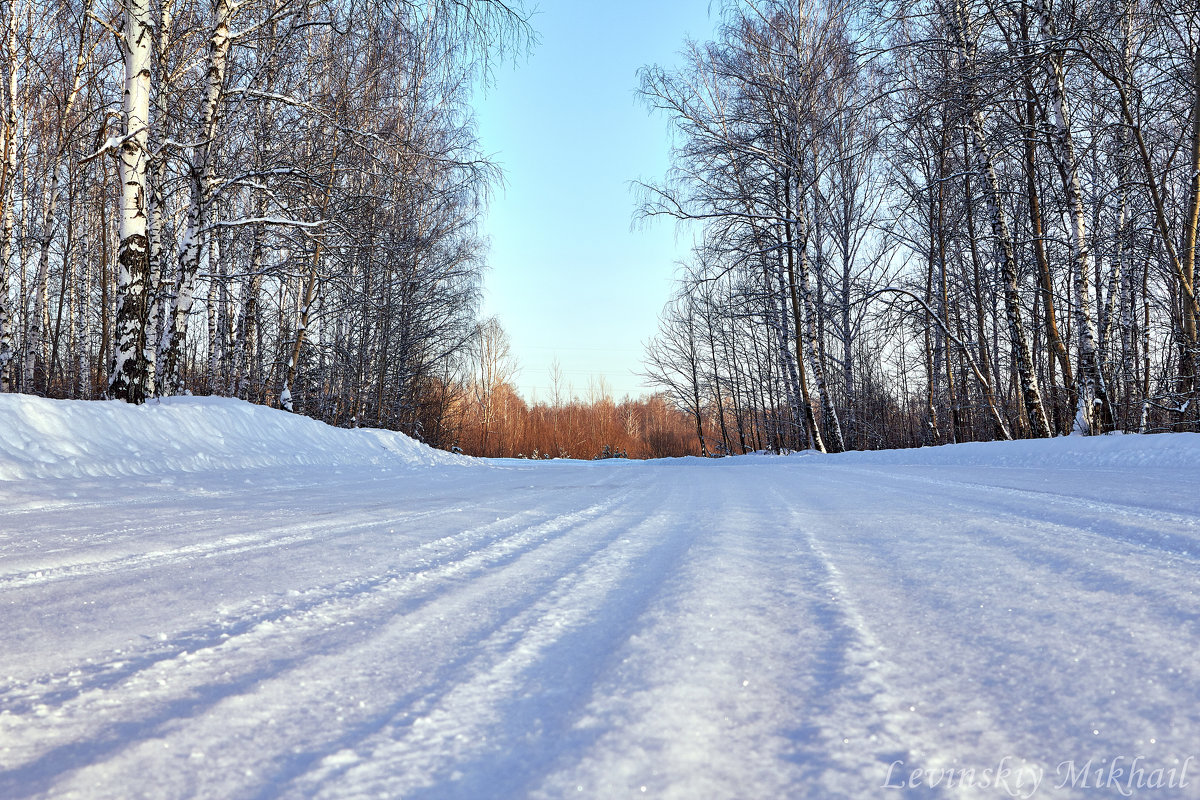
(956, 424)
(159, 301)
(797, 399)
(161, 295)
(800, 399)
(309, 293)
(67, 278)
(245, 349)
(932, 339)
(811, 344)
(1030, 393)
(127, 379)
(8, 175)
(694, 374)
(212, 307)
(202, 179)
(33, 370)
(1005, 249)
(1094, 412)
(985, 373)
(710, 327)
(1125, 242)
(79, 326)
(1027, 115)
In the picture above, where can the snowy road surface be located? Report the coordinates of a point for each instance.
(982, 623)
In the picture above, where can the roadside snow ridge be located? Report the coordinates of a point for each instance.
(76, 438)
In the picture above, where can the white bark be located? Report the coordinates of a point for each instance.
(245, 373)
(787, 358)
(203, 183)
(1093, 394)
(8, 174)
(79, 322)
(1030, 392)
(1002, 237)
(127, 381)
(811, 343)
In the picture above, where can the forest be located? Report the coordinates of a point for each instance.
(917, 221)
(933, 221)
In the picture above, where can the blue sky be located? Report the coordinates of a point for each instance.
(570, 275)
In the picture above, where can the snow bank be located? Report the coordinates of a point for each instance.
(74, 438)
(1116, 451)
(42, 438)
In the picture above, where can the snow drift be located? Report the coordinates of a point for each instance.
(75, 438)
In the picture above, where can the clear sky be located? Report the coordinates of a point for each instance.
(570, 274)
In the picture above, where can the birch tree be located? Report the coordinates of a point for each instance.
(127, 379)
(9, 133)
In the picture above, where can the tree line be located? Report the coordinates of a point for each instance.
(932, 221)
(918, 221)
(276, 200)
(490, 418)
(594, 426)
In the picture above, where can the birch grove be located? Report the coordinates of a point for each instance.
(915, 222)
(1019, 180)
(272, 199)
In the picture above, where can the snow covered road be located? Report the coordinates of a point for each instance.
(990, 626)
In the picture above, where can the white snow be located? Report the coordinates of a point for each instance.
(75, 438)
(202, 598)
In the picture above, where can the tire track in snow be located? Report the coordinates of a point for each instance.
(298, 528)
(1054, 543)
(864, 716)
(701, 698)
(395, 630)
(511, 672)
(429, 557)
(180, 513)
(335, 621)
(463, 545)
(1184, 542)
(224, 547)
(493, 725)
(981, 635)
(34, 498)
(752, 675)
(35, 535)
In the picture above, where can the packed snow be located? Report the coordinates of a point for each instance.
(202, 598)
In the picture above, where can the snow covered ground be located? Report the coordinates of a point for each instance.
(204, 599)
